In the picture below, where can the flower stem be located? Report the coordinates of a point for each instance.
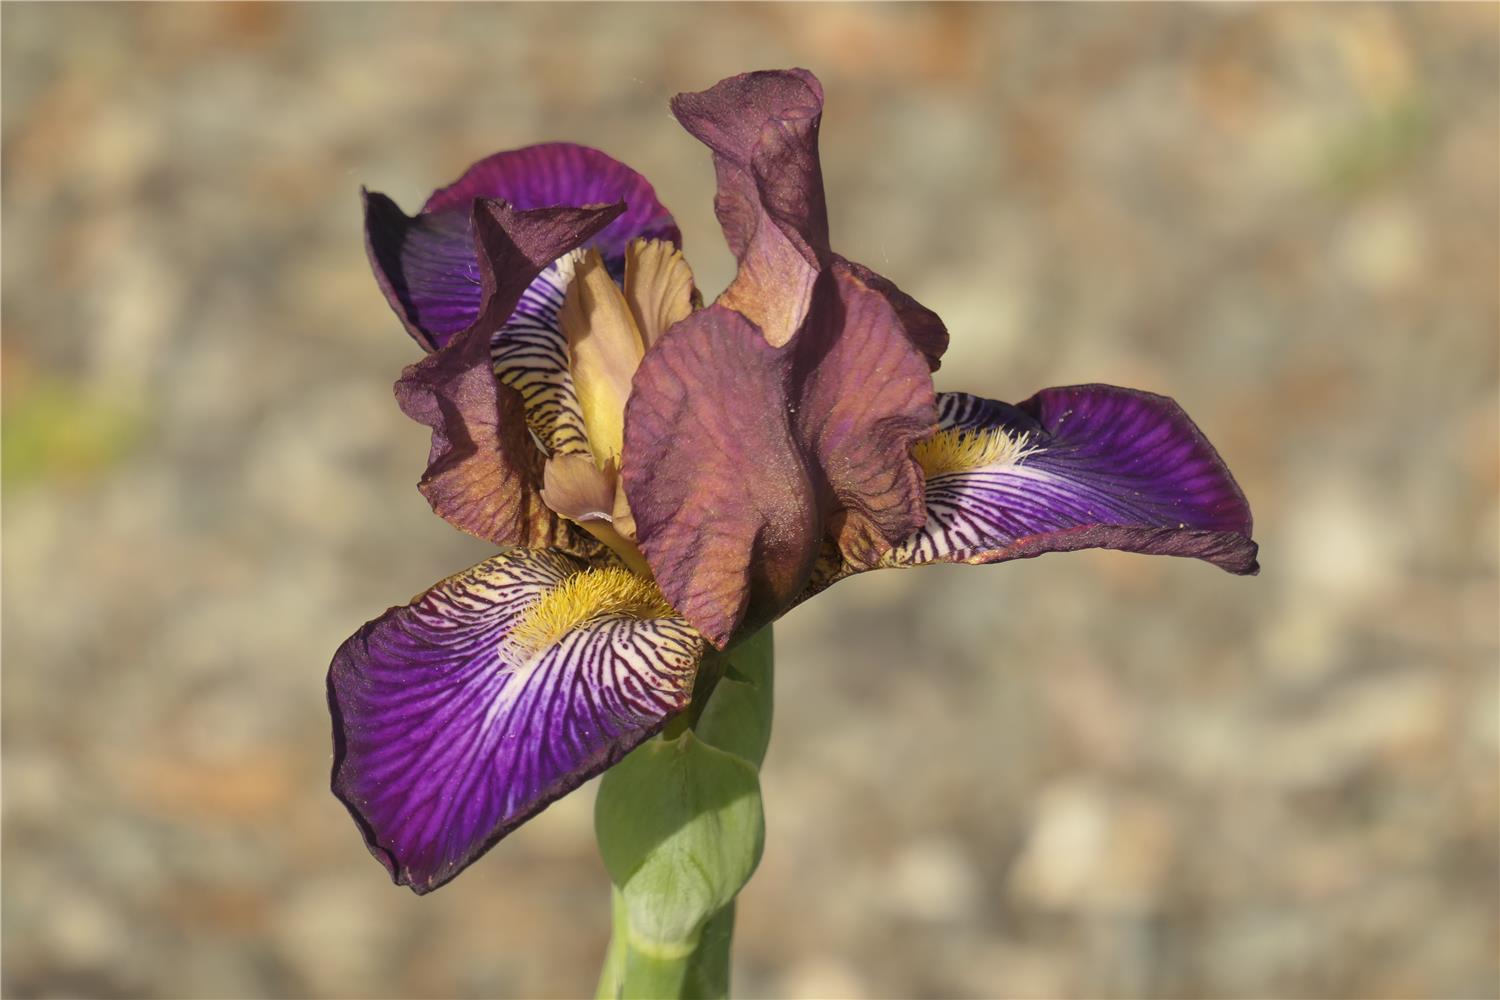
(681, 828)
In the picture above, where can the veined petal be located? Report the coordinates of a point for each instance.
(463, 714)
(740, 456)
(726, 510)
(483, 470)
(565, 173)
(1089, 466)
(530, 355)
(924, 328)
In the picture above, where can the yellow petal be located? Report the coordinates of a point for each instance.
(589, 496)
(576, 488)
(604, 348)
(658, 286)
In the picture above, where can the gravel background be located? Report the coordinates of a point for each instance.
(1093, 775)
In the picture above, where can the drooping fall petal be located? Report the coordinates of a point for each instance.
(463, 714)
(483, 470)
(725, 506)
(427, 265)
(741, 456)
(1090, 466)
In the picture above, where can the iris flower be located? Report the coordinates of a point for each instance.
(663, 477)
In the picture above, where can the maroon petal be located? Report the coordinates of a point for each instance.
(865, 398)
(1094, 467)
(740, 456)
(432, 267)
(763, 130)
(460, 716)
(924, 328)
(484, 473)
(725, 506)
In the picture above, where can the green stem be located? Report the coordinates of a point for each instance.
(636, 969)
(681, 828)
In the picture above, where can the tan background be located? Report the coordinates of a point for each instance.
(1091, 775)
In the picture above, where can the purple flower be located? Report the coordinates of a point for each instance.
(667, 477)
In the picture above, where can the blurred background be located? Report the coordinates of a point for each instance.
(1097, 775)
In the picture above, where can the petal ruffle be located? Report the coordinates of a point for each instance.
(740, 456)
(1089, 466)
(463, 714)
(484, 472)
(763, 130)
(427, 265)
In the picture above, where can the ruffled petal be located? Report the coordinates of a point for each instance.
(1089, 466)
(741, 456)
(924, 328)
(460, 716)
(763, 130)
(484, 472)
(865, 398)
(564, 173)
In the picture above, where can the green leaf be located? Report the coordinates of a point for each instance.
(680, 828)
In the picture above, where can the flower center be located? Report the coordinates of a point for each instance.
(963, 449)
(581, 598)
(609, 328)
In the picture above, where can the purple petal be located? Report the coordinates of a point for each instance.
(1104, 467)
(446, 737)
(448, 272)
(563, 173)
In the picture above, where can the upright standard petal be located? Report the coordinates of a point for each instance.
(463, 714)
(427, 265)
(741, 456)
(763, 131)
(1090, 466)
(484, 472)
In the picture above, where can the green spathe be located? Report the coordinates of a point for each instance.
(681, 830)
